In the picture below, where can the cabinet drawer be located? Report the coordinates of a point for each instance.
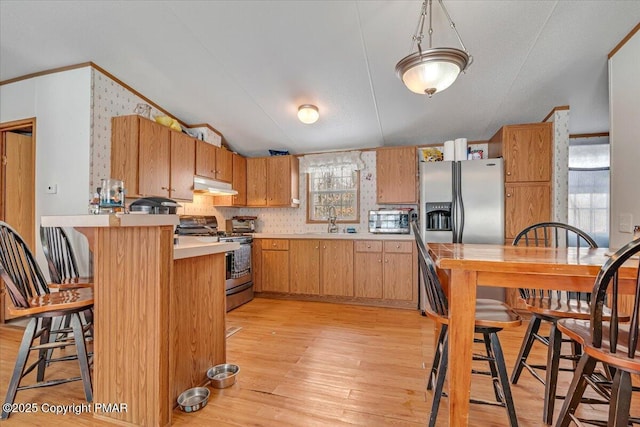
(275, 244)
(399, 247)
(368, 246)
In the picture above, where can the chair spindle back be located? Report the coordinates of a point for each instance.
(436, 299)
(608, 277)
(18, 268)
(60, 257)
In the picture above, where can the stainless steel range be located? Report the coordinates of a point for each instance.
(239, 275)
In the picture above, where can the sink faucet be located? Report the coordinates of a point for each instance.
(332, 227)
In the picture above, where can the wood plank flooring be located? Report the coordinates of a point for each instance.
(314, 364)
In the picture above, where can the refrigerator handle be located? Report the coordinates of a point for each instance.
(454, 203)
(460, 203)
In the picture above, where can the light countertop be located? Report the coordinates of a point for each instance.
(192, 246)
(340, 236)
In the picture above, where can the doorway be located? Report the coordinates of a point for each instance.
(17, 183)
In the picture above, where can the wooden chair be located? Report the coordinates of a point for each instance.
(550, 306)
(611, 342)
(491, 317)
(64, 273)
(32, 299)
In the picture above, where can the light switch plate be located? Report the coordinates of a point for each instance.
(625, 221)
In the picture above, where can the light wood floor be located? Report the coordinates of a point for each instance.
(314, 364)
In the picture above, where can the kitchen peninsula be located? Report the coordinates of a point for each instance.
(159, 313)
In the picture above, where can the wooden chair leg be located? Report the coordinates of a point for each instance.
(442, 374)
(620, 406)
(525, 348)
(436, 357)
(78, 335)
(553, 366)
(586, 365)
(21, 361)
(492, 367)
(503, 377)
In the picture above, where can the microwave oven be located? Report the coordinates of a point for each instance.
(389, 221)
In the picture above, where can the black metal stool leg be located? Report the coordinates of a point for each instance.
(492, 366)
(21, 361)
(442, 374)
(525, 349)
(43, 354)
(553, 366)
(436, 357)
(504, 379)
(81, 349)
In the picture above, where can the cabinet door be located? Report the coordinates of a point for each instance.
(275, 271)
(336, 261)
(279, 180)
(125, 133)
(526, 204)
(528, 152)
(396, 175)
(183, 159)
(239, 182)
(304, 266)
(155, 155)
(367, 274)
(257, 181)
(398, 276)
(205, 159)
(256, 264)
(224, 165)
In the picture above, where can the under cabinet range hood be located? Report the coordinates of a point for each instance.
(211, 187)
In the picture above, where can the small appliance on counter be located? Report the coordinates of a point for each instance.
(390, 221)
(155, 205)
(109, 197)
(241, 224)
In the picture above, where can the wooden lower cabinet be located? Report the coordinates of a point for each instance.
(304, 267)
(275, 265)
(385, 270)
(336, 275)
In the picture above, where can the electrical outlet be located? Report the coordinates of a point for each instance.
(52, 188)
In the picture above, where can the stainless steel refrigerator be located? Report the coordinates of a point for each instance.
(463, 202)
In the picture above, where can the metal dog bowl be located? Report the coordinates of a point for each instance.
(194, 399)
(223, 376)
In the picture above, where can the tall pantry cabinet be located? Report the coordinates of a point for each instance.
(528, 158)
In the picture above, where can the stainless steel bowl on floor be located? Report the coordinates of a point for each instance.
(223, 376)
(194, 399)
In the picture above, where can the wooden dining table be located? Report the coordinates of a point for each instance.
(470, 265)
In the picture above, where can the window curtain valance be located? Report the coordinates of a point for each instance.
(321, 162)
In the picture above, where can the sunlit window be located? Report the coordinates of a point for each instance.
(589, 190)
(335, 186)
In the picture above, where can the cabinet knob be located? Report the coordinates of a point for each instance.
(508, 194)
(379, 260)
(273, 244)
(398, 246)
(163, 188)
(508, 173)
(386, 261)
(316, 247)
(368, 246)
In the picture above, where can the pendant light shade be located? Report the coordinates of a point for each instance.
(435, 69)
(308, 114)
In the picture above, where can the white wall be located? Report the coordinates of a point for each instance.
(61, 104)
(624, 133)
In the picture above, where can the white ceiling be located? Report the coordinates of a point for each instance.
(245, 66)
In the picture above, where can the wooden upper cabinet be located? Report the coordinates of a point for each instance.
(257, 181)
(224, 165)
(238, 183)
(205, 159)
(273, 181)
(125, 132)
(527, 150)
(396, 170)
(155, 159)
(183, 159)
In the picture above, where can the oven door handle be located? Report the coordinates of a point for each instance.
(239, 289)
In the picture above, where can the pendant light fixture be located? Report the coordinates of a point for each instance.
(308, 114)
(435, 69)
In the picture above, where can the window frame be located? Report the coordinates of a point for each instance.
(339, 220)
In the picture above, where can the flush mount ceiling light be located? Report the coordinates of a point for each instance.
(308, 114)
(435, 69)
